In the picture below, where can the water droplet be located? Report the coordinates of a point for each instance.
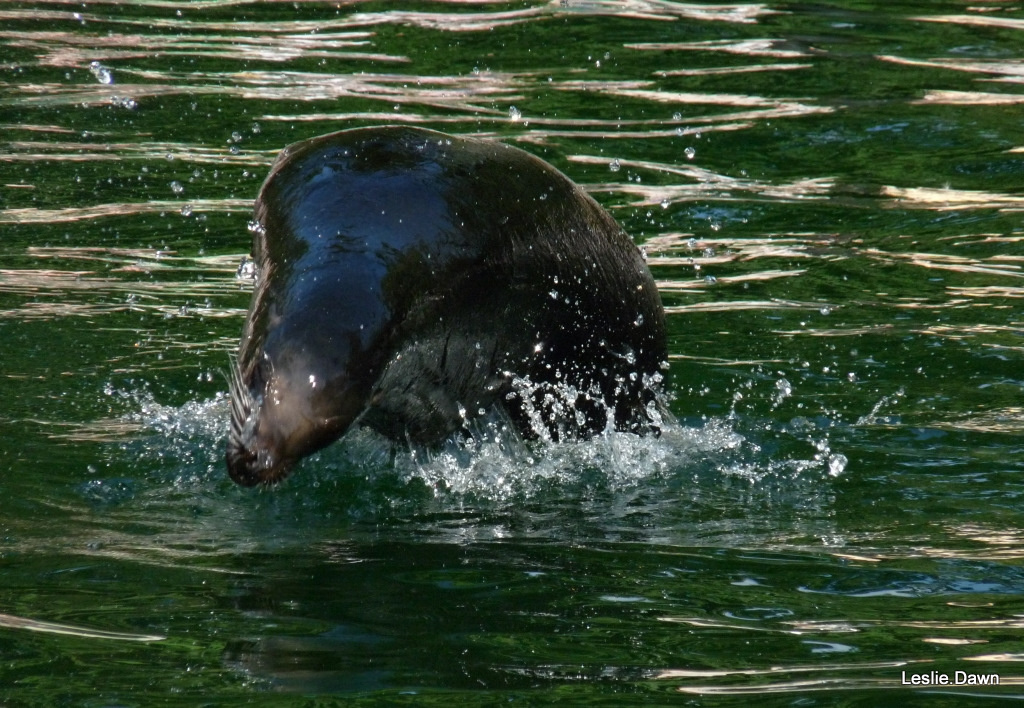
(826, 310)
(690, 153)
(614, 166)
(514, 114)
(177, 187)
(186, 210)
(783, 390)
(102, 73)
(665, 203)
(246, 269)
(677, 116)
(837, 464)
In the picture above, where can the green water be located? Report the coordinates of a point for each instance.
(830, 196)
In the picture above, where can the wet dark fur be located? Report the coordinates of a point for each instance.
(408, 280)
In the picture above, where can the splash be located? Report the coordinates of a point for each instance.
(488, 462)
(683, 483)
(487, 459)
(873, 418)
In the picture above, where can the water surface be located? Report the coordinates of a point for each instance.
(830, 198)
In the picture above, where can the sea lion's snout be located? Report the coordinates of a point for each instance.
(254, 452)
(250, 466)
(273, 426)
(254, 458)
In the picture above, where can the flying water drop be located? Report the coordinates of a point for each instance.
(102, 73)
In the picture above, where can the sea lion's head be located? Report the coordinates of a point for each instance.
(306, 364)
(284, 408)
(317, 321)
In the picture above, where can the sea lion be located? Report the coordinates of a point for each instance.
(413, 281)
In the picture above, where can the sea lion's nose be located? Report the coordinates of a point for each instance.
(250, 468)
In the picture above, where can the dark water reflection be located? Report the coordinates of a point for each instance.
(829, 197)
